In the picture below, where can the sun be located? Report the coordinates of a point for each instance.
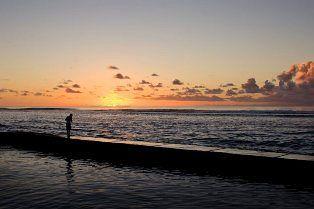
(114, 100)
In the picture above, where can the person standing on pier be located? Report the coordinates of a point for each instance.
(68, 120)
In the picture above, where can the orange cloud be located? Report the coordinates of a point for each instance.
(177, 82)
(71, 91)
(120, 76)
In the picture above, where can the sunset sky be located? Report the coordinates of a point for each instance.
(161, 53)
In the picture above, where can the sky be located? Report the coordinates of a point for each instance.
(161, 53)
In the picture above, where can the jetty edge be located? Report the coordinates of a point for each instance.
(244, 162)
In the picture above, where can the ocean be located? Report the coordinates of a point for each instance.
(33, 179)
(267, 130)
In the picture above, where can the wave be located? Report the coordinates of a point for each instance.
(285, 113)
(206, 111)
(37, 108)
(280, 113)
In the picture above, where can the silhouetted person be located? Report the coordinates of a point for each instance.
(68, 125)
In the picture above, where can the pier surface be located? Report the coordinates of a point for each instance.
(247, 162)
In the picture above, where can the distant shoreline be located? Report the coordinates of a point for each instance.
(165, 110)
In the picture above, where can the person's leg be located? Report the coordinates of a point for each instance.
(68, 133)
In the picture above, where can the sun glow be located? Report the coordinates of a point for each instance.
(114, 100)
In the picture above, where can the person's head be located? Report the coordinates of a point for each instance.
(71, 115)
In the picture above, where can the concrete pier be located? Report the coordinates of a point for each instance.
(236, 161)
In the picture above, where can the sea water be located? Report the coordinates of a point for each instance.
(272, 130)
(32, 179)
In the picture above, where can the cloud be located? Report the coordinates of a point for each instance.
(64, 84)
(187, 94)
(199, 86)
(227, 85)
(144, 82)
(296, 96)
(289, 85)
(143, 96)
(159, 85)
(112, 67)
(5, 90)
(268, 86)
(285, 80)
(138, 89)
(38, 94)
(154, 75)
(190, 91)
(190, 98)
(231, 92)
(71, 91)
(67, 82)
(295, 87)
(242, 99)
(147, 96)
(76, 86)
(177, 82)
(120, 76)
(61, 86)
(25, 93)
(303, 75)
(250, 86)
(285, 76)
(214, 91)
(121, 89)
(280, 97)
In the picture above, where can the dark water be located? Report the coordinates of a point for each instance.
(280, 131)
(37, 180)
(30, 179)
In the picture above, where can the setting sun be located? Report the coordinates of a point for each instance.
(114, 100)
